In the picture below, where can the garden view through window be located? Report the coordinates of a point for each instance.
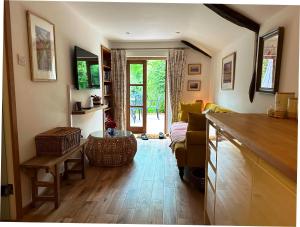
(155, 85)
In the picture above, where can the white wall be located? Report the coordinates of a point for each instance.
(238, 99)
(45, 105)
(194, 57)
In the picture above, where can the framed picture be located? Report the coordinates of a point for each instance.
(228, 71)
(194, 85)
(269, 61)
(41, 39)
(194, 69)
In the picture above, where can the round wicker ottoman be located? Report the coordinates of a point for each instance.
(106, 150)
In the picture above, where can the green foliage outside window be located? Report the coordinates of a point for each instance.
(136, 73)
(156, 75)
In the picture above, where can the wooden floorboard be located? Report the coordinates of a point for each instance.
(147, 191)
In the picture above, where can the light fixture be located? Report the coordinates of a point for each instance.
(128, 33)
(177, 32)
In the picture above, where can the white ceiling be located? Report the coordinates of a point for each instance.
(160, 22)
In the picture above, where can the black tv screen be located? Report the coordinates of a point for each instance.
(86, 69)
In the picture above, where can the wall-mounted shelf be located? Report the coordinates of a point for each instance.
(108, 95)
(85, 111)
(107, 81)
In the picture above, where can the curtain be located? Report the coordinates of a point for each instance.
(176, 63)
(118, 72)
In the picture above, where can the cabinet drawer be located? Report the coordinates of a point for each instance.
(210, 203)
(212, 156)
(211, 174)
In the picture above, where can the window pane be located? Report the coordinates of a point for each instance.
(136, 95)
(136, 117)
(136, 73)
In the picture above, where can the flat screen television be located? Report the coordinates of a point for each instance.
(86, 69)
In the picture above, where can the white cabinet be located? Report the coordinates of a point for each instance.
(242, 189)
(273, 203)
(233, 188)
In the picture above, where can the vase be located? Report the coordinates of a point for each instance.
(111, 131)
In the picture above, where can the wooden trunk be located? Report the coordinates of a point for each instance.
(57, 141)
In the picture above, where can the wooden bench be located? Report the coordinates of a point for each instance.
(51, 165)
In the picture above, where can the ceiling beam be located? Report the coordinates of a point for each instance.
(234, 16)
(195, 48)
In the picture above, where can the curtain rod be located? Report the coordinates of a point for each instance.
(149, 48)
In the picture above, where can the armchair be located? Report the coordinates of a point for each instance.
(192, 151)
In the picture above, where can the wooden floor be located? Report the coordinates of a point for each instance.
(148, 191)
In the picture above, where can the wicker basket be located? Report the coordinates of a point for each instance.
(57, 141)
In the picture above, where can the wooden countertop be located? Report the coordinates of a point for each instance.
(273, 140)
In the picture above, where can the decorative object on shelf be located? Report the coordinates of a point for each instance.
(194, 69)
(96, 100)
(41, 36)
(77, 106)
(106, 75)
(90, 102)
(269, 61)
(110, 123)
(228, 71)
(111, 131)
(107, 89)
(292, 108)
(194, 85)
(281, 103)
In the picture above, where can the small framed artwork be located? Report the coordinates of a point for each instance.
(194, 69)
(41, 37)
(228, 71)
(194, 85)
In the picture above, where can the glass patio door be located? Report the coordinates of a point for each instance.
(136, 95)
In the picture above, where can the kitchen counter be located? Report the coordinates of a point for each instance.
(274, 140)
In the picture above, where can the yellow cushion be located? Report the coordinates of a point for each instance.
(189, 108)
(221, 110)
(210, 106)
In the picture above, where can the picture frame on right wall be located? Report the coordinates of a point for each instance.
(228, 72)
(194, 69)
(194, 85)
